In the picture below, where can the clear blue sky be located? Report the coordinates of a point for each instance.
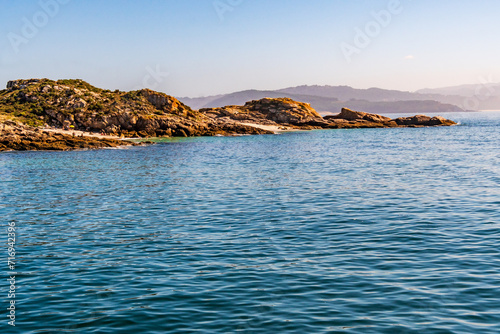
(219, 46)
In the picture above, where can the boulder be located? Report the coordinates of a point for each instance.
(351, 115)
(438, 120)
(414, 120)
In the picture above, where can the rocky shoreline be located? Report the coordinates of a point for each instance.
(16, 136)
(27, 106)
(356, 119)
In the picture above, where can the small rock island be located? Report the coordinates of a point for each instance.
(42, 114)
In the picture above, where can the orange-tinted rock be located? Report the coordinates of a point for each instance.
(352, 115)
(19, 137)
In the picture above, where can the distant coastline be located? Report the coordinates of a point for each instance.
(325, 99)
(42, 114)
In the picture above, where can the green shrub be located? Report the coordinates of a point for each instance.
(96, 106)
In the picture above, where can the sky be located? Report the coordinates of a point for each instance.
(194, 48)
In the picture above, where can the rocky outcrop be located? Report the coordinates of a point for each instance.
(167, 104)
(423, 120)
(19, 137)
(348, 118)
(77, 105)
(143, 113)
(268, 111)
(351, 115)
(21, 84)
(84, 107)
(283, 111)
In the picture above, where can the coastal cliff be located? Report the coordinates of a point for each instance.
(35, 105)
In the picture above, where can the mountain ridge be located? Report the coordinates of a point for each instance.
(467, 90)
(330, 99)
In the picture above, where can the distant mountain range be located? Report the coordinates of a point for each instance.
(330, 99)
(486, 89)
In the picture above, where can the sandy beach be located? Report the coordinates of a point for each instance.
(78, 133)
(273, 128)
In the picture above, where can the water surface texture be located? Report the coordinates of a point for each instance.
(335, 231)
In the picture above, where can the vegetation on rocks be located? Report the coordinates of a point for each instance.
(85, 107)
(19, 137)
(77, 105)
(268, 111)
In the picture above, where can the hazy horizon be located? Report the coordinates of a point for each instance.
(255, 89)
(204, 47)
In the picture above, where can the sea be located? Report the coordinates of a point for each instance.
(330, 231)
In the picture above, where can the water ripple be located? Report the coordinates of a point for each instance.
(348, 231)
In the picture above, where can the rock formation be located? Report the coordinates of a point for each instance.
(267, 111)
(356, 119)
(77, 105)
(19, 137)
(142, 113)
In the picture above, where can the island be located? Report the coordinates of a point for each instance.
(42, 114)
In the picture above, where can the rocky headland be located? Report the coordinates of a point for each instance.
(30, 108)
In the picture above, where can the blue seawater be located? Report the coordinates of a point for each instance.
(336, 231)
